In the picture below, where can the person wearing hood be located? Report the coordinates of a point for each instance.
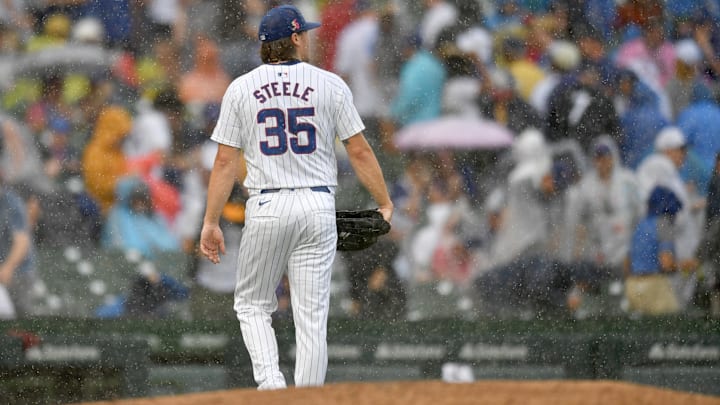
(640, 117)
(564, 57)
(579, 108)
(700, 122)
(662, 168)
(103, 160)
(603, 208)
(687, 77)
(525, 226)
(525, 270)
(133, 223)
(652, 257)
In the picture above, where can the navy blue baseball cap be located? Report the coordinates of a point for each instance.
(281, 22)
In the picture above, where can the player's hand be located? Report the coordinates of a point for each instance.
(386, 212)
(212, 242)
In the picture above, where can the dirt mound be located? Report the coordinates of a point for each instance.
(437, 392)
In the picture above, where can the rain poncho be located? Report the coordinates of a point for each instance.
(608, 210)
(658, 170)
(420, 91)
(126, 228)
(700, 122)
(525, 224)
(103, 159)
(641, 121)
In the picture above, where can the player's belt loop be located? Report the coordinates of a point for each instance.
(317, 189)
(320, 189)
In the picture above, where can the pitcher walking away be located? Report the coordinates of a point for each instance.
(281, 120)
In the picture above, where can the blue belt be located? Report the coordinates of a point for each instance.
(317, 189)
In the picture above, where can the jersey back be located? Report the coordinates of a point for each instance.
(286, 117)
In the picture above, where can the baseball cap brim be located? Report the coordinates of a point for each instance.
(310, 26)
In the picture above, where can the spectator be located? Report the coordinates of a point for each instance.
(638, 13)
(15, 17)
(133, 224)
(712, 209)
(647, 286)
(652, 58)
(159, 69)
(687, 76)
(707, 36)
(499, 101)
(356, 63)
(709, 250)
(166, 19)
(375, 289)
(103, 160)
(117, 20)
(61, 159)
(662, 169)
(700, 122)
(206, 82)
(421, 82)
(526, 73)
(524, 228)
(237, 23)
(449, 225)
(580, 110)
(564, 58)
(56, 31)
(594, 50)
(149, 297)
(409, 192)
(437, 16)
(17, 261)
(51, 105)
(392, 50)
(602, 211)
(640, 118)
(462, 86)
(507, 15)
(334, 16)
(150, 139)
(20, 158)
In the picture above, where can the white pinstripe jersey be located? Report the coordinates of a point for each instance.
(285, 118)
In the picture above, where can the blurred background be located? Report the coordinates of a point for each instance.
(553, 164)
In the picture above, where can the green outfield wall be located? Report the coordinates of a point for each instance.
(54, 360)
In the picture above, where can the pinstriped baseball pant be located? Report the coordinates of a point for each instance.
(293, 231)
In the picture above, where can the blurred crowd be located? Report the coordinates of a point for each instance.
(608, 184)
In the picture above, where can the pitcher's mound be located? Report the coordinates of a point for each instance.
(437, 393)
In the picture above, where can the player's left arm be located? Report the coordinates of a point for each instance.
(368, 171)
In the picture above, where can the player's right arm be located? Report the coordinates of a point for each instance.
(225, 170)
(368, 171)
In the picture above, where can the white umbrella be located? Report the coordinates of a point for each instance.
(452, 132)
(67, 59)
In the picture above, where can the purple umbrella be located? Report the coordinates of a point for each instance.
(454, 133)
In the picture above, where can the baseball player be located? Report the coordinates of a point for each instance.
(282, 119)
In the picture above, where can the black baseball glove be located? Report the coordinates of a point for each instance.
(359, 229)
